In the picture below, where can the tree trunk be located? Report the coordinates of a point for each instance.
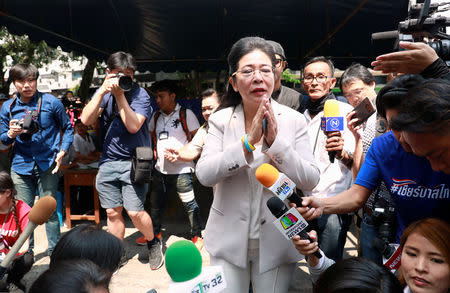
(86, 80)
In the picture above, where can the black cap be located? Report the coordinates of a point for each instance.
(277, 49)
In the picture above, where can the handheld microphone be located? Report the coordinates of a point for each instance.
(289, 221)
(332, 121)
(281, 186)
(39, 214)
(391, 253)
(184, 266)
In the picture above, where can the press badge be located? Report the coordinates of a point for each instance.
(163, 135)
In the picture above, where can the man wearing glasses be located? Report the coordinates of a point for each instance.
(281, 93)
(335, 177)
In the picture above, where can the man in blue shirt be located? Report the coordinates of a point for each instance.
(38, 148)
(125, 124)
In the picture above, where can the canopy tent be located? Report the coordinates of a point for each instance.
(183, 35)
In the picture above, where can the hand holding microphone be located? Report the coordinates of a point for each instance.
(39, 214)
(289, 221)
(332, 123)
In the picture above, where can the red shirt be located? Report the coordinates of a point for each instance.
(8, 228)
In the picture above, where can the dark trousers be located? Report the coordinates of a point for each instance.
(162, 186)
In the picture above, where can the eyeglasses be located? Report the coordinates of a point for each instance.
(319, 78)
(279, 62)
(265, 71)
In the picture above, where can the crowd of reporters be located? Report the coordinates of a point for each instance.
(393, 168)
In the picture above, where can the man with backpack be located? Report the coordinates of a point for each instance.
(172, 126)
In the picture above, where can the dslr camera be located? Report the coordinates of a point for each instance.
(28, 125)
(384, 217)
(125, 82)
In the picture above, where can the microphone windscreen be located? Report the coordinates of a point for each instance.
(42, 210)
(183, 261)
(267, 174)
(276, 206)
(331, 108)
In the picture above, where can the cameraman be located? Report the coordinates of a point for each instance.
(32, 121)
(417, 191)
(125, 124)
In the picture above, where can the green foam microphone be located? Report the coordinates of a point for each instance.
(183, 261)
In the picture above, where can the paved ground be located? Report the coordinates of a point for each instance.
(136, 276)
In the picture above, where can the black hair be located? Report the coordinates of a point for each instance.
(320, 59)
(6, 183)
(87, 241)
(356, 71)
(207, 93)
(165, 85)
(357, 275)
(21, 71)
(72, 276)
(426, 108)
(394, 92)
(238, 50)
(121, 60)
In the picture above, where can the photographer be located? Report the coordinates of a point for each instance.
(125, 117)
(417, 191)
(32, 121)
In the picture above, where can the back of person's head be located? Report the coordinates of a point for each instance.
(23, 70)
(434, 230)
(72, 276)
(239, 49)
(87, 241)
(390, 97)
(208, 93)
(165, 85)
(357, 275)
(426, 109)
(356, 71)
(320, 59)
(121, 60)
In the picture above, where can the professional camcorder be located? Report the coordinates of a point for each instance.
(422, 26)
(28, 125)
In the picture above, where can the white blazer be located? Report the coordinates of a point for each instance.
(224, 164)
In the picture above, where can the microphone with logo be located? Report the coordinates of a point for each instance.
(280, 185)
(39, 214)
(184, 265)
(289, 221)
(332, 121)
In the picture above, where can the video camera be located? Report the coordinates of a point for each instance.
(420, 25)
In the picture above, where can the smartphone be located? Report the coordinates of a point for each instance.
(363, 111)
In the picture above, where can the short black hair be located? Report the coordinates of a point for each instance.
(89, 242)
(356, 71)
(21, 71)
(357, 275)
(425, 109)
(208, 92)
(320, 59)
(395, 91)
(121, 60)
(164, 85)
(72, 276)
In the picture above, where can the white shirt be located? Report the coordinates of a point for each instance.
(336, 177)
(199, 139)
(176, 139)
(83, 146)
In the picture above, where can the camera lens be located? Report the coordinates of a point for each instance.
(125, 82)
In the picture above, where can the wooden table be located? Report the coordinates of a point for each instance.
(81, 177)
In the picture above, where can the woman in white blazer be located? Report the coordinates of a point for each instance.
(239, 233)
